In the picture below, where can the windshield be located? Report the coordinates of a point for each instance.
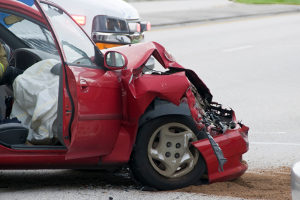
(34, 35)
(77, 47)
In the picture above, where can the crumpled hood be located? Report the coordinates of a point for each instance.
(138, 54)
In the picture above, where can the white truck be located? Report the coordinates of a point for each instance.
(109, 23)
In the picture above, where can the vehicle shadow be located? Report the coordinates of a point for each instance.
(16, 180)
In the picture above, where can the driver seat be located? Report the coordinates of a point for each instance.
(12, 133)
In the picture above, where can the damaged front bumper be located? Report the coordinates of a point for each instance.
(234, 143)
(227, 139)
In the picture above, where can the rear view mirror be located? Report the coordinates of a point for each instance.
(115, 60)
(12, 19)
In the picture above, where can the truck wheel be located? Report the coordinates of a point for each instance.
(164, 157)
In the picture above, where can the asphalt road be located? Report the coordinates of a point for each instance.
(251, 65)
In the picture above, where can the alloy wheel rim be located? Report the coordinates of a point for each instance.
(170, 151)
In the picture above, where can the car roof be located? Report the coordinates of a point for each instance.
(20, 6)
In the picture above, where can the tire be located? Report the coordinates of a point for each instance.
(163, 156)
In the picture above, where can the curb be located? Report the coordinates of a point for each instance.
(297, 10)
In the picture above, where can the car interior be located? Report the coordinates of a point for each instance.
(22, 51)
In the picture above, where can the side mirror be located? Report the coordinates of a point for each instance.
(115, 60)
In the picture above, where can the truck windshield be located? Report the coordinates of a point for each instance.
(78, 48)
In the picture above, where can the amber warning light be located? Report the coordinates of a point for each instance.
(80, 19)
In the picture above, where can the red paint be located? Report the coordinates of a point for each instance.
(101, 111)
(138, 54)
(98, 113)
(23, 9)
(233, 146)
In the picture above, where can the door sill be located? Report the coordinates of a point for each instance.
(37, 147)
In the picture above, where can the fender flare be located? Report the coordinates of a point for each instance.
(159, 108)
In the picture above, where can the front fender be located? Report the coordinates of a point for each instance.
(142, 90)
(160, 108)
(137, 94)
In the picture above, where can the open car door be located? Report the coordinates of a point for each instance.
(91, 95)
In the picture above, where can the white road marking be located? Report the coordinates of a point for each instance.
(262, 172)
(276, 143)
(238, 48)
(269, 133)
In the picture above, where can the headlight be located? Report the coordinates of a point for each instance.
(107, 24)
(136, 26)
(111, 38)
(117, 31)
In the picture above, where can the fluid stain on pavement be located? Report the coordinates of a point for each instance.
(261, 184)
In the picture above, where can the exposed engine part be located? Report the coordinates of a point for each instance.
(214, 117)
(211, 118)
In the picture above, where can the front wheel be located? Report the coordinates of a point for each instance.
(164, 157)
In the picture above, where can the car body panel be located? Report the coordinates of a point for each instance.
(233, 146)
(139, 96)
(98, 114)
(42, 159)
(139, 55)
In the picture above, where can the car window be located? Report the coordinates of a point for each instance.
(32, 34)
(77, 47)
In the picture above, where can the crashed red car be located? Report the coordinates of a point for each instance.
(163, 125)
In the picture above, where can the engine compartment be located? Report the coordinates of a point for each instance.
(214, 118)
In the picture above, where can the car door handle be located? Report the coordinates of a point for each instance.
(84, 85)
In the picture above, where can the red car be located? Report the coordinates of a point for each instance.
(163, 125)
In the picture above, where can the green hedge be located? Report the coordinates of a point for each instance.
(270, 1)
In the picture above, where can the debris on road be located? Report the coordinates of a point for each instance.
(261, 184)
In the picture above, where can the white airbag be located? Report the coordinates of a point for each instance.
(36, 99)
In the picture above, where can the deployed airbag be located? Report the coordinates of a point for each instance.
(36, 99)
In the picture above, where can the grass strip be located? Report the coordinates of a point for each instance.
(294, 2)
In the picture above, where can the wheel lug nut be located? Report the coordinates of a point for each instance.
(168, 154)
(177, 155)
(178, 145)
(169, 144)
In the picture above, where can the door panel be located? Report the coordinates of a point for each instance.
(97, 115)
